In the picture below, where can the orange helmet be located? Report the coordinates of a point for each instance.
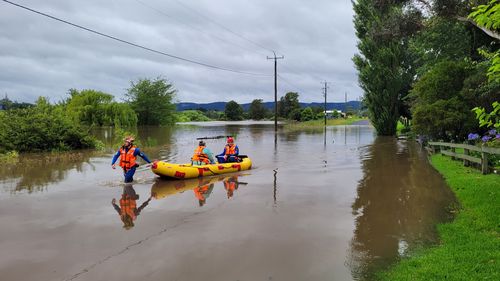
(230, 140)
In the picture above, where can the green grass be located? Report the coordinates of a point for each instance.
(321, 122)
(469, 246)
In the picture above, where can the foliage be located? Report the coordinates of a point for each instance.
(469, 245)
(488, 120)
(287, 104)
(442, 39)
(10, 157)
(440, 110)
(295, 114)
(90, 107)
(257, 111)
(307, 114)
(214, 114)
(384, 62)
(152, 101)
(488, 16)
(191, 116)
(44, 127)
(233, 111)
(7, 104)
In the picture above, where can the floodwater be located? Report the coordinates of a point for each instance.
(339, 204)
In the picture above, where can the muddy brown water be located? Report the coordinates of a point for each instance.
(334, 205)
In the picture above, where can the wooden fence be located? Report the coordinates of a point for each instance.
(466, 157)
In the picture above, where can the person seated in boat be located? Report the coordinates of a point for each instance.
(230, 152)
(128, 210)
(202, 155)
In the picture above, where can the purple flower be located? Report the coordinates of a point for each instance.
(485, 138)
(498, 137)
(473, 136)
(492, 132)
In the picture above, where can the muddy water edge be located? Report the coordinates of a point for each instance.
(334, 204)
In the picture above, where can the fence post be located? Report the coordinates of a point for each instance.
(453, 157)
(484, 163)
(466, 162)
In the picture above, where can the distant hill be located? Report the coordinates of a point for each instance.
(269, 105)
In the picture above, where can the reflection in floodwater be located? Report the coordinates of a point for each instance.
(399, 201)
(35, 171)
(202, 187)
(128, 210)
(231, 184)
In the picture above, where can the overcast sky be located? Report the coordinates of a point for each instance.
(42, 57)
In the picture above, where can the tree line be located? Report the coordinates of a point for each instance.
(65, 125)
(430, 62)
(288, 109)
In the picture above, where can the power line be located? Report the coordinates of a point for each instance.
(223, 27)
(289, 83)
(242, 37)
(194, 27)
(134, 44)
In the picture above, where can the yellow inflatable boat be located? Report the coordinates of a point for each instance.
(188, 171)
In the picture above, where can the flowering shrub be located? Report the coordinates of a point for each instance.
(491, 138)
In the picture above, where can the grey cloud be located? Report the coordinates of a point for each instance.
(39, 56)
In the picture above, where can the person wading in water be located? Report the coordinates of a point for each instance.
(128, 156)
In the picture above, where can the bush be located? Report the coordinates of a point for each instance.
(191, 115)
(41, 128)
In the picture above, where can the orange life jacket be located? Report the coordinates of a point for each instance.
(200, 156)
(200, 191)
(127, 158)
(230, 149)
(127, 206)
(230, 186)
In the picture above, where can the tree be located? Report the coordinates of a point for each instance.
(90, 107)
(43, 127)
(233, 111)
(384, 63)
(257, 111)
(287, 104)
(307, 114)
(152, 101)
(441, 110)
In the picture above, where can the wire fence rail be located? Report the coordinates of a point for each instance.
(449, 149)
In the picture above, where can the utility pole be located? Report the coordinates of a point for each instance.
(324, 94)
(275, 89)
(345, 105)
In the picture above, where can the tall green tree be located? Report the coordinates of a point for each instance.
(152, 101)
(233, 111)
(384, 63)
(257, 111)
(287, 104)
(442, 110)
(90, 107)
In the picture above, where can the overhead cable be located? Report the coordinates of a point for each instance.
(162, 12)
(134, 44)
(222, 26)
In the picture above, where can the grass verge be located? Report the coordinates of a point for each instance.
(320, 123)
(470, 245)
